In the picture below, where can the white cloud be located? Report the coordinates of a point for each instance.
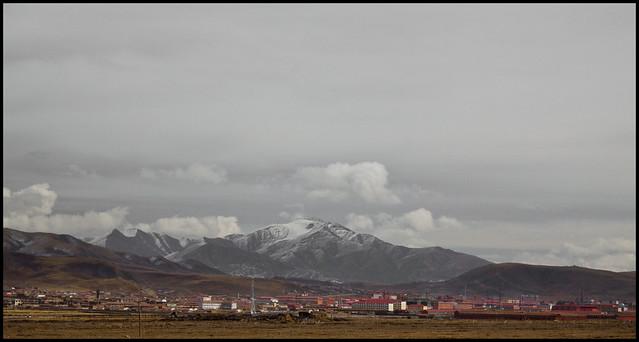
(291, 216)
(74, 170)
(34, 200)
(408, 229)
(196, 172)
(603, 253)
(362, 223)
(448, 222)
(30, 209)
(91, 223)
(294, 211)
(340, 181)
(210, 226)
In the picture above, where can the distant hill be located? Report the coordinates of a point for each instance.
(553, 282)
(64, 262)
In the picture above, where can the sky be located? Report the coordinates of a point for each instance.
(504, 131)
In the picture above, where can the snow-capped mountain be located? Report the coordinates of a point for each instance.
(49, 260)
(304, 248)
(261, 239)
(222, 254)
(143, 243)
(328, 251)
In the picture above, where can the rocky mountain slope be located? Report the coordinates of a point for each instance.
(330, 251)
(143, 243)
(314, 249)
(64, 262)
(306, 248)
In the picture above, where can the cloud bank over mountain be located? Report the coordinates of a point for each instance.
(217, 118)
(31, 209)
(411, 228)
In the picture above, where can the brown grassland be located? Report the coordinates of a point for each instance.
(57, 324)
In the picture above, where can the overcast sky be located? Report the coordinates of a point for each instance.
(506, 131)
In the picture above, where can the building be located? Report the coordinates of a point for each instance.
(576, 308)
(209, 304)
(229, 305)
(400, 305)
(418, 307)
(446, 306)
(376, 304)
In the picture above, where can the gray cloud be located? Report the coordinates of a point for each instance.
(31, 209)
(195, 172)
(341, 181)
(603, 253)
(609, 253)
(75, 170)
(515, 120)
(409, 229)
(196, 227)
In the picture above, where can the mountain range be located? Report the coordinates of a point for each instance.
(303, 248)
(64, 262)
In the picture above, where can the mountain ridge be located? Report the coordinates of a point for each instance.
(307, 248)
(61, 261)
(550, 282)
(65, 262)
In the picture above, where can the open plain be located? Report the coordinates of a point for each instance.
(76, 324)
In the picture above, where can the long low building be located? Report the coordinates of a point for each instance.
(374, 305)
(378, 304)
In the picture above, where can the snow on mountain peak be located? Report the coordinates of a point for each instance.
(129, 232)
(292, 229)
(292, 232)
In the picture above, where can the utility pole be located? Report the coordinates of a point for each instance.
(252, 296)
(139, 319)
(500, 289)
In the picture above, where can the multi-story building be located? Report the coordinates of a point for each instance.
(376, 304)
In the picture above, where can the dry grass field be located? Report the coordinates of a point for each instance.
(56, 324)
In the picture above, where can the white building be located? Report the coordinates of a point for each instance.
(211, 305)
